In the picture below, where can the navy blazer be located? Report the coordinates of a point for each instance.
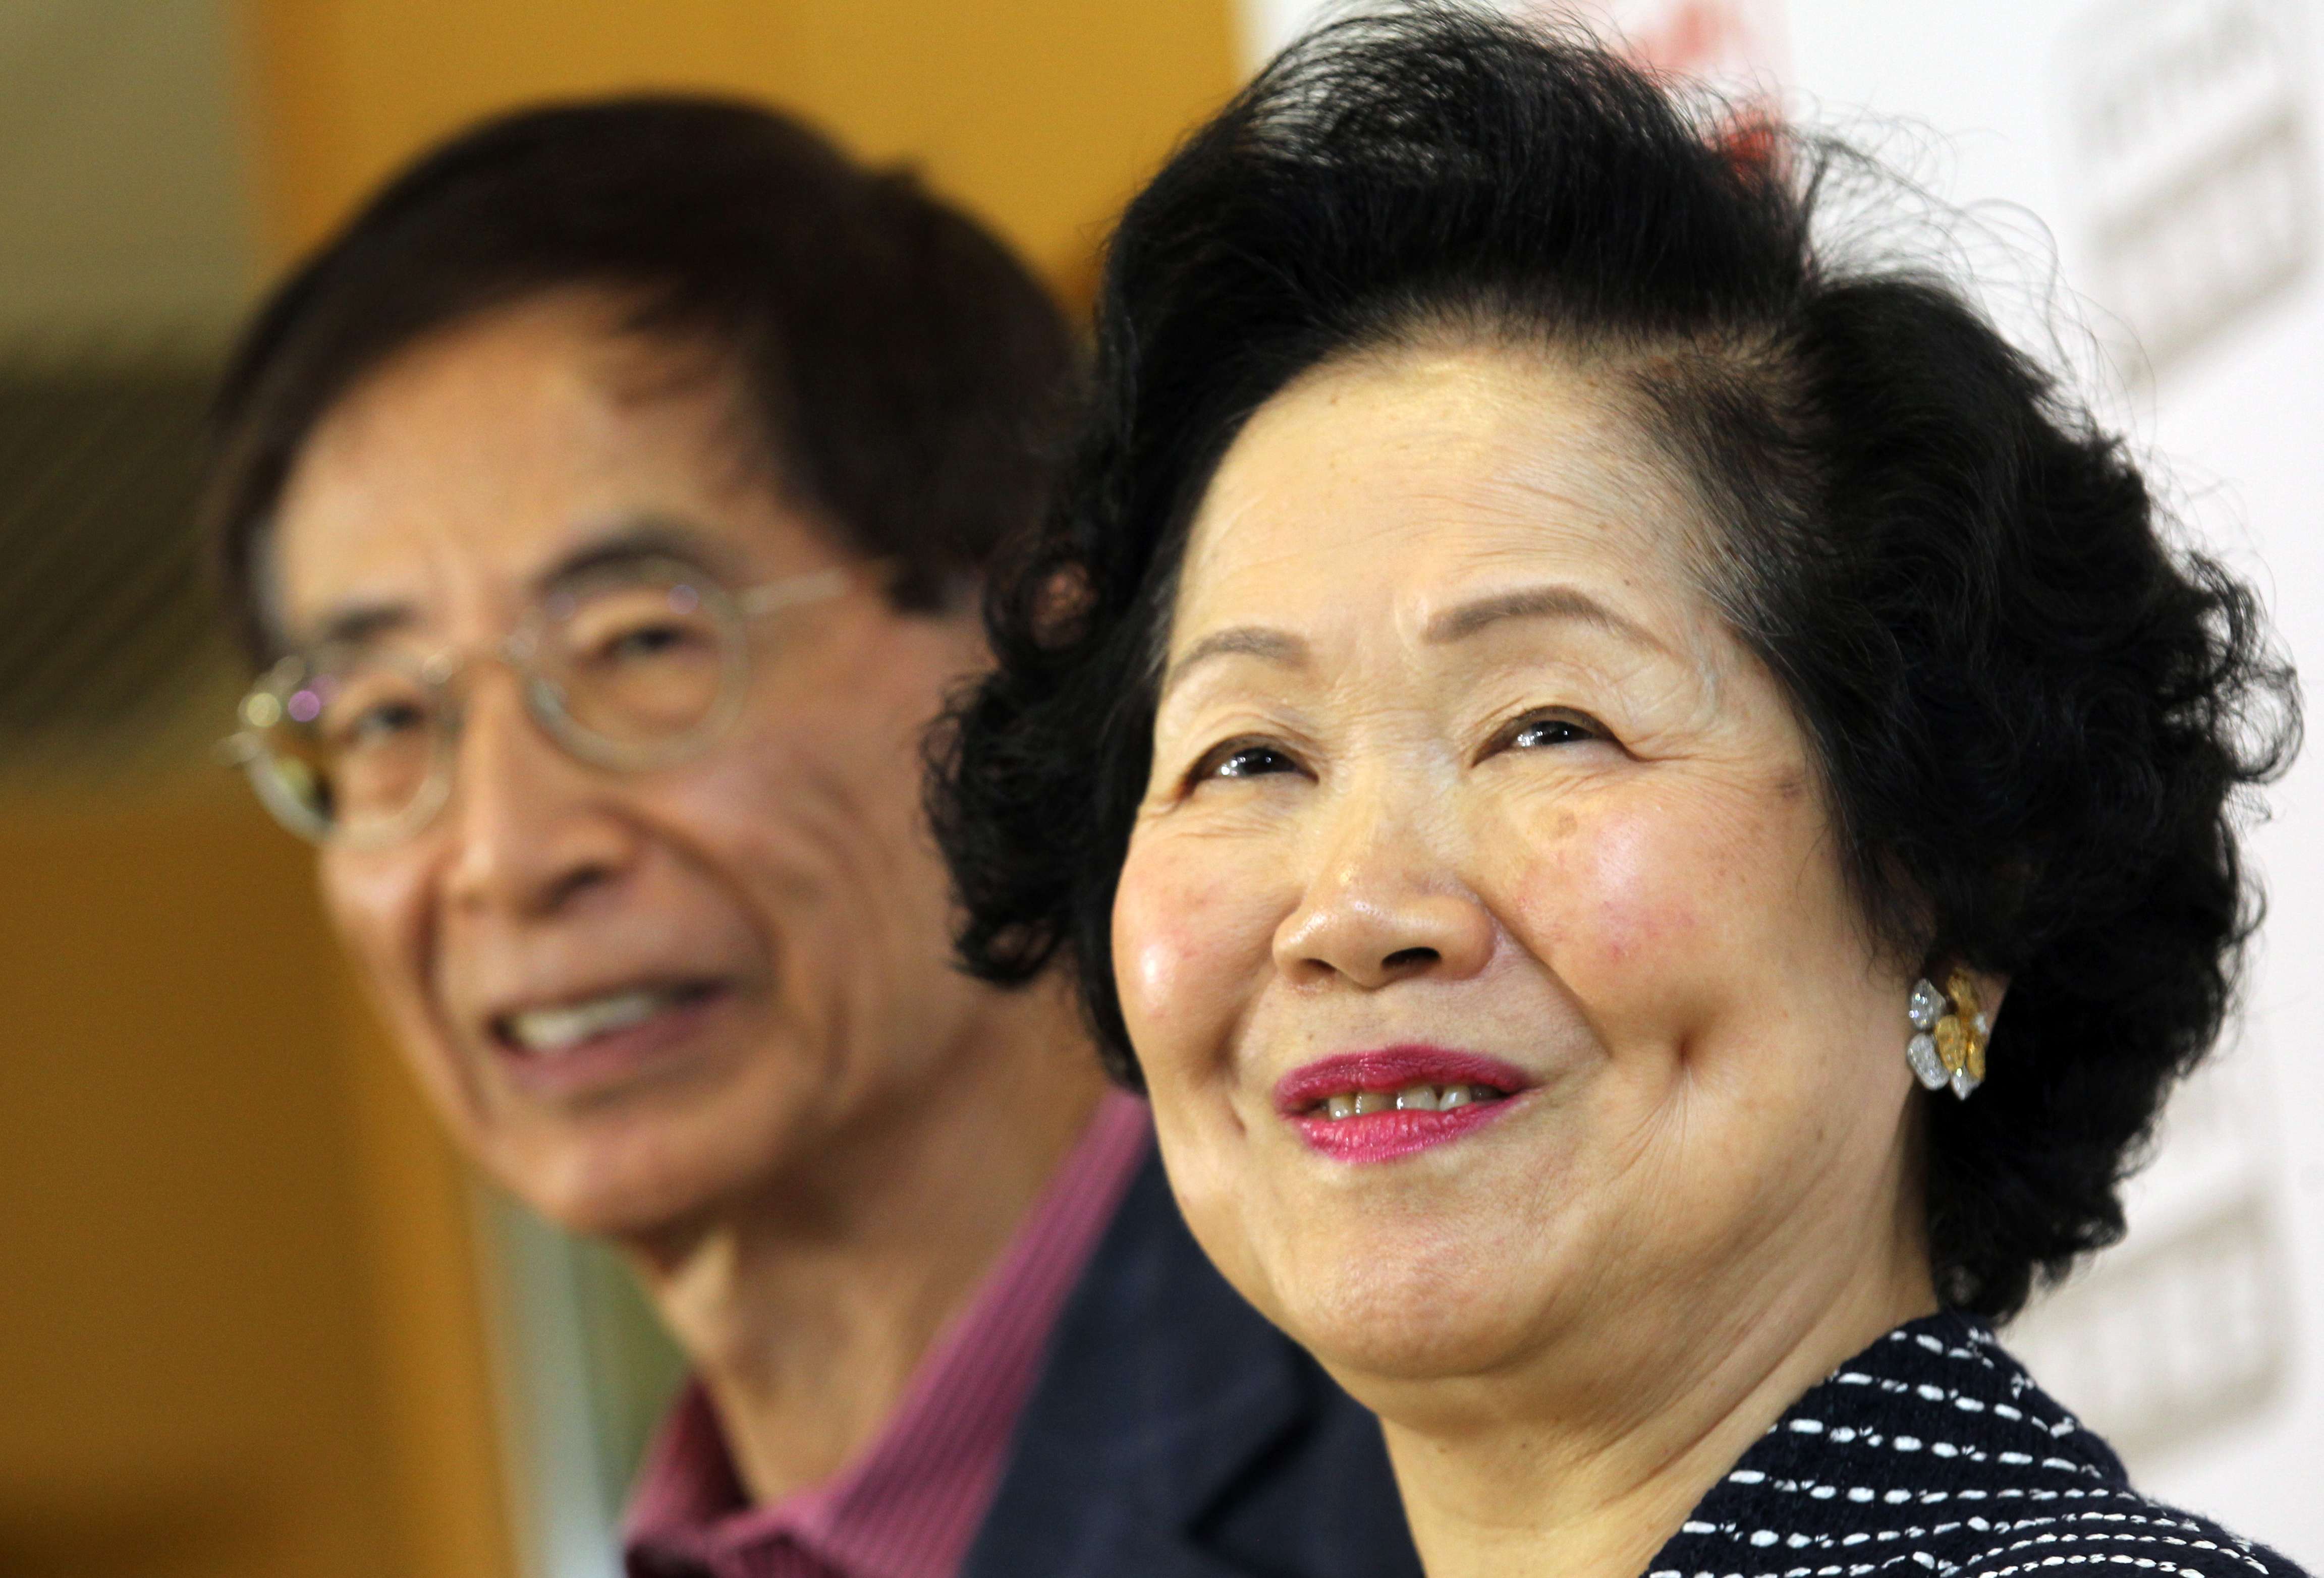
(1175, 1434)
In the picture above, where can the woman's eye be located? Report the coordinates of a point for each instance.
(1244, 761)
(1549, 732)
(1537, 732)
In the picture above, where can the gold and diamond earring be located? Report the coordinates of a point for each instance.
(1949, 1031)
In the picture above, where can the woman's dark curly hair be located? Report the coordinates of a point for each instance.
(2034, 714)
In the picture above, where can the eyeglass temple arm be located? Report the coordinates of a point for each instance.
(814, 586)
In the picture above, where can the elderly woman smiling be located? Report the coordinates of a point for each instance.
(1556, 724)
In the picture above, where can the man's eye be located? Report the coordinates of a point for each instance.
(379, 723)
(652, 640)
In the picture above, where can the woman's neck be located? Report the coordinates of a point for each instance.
(807, 1309)
(1588, 1477)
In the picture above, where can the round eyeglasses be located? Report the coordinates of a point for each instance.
(631, 669)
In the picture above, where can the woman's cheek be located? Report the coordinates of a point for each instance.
(1184, 947)
(1614, 912)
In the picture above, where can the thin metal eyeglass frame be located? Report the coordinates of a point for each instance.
(544, 702)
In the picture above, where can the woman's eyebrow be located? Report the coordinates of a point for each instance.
(1247, 640)
(1566, 602)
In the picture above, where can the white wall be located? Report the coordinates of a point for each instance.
(2168, 149)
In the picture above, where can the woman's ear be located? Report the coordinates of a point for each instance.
(1975, 993)
(1953, 1011)
(1990, 988)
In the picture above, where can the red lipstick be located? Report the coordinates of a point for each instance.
(1486, 1086)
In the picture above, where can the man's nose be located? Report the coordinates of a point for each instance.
(533, 826)
(1382, 902)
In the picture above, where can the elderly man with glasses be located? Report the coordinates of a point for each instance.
(604, 508)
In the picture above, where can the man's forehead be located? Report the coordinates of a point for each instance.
(466, 472)
(429, 579)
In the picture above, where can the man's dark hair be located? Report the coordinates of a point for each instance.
(2033, 713)
(904, 373)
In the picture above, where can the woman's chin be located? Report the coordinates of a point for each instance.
(1401, 1318)
(1404, 1273)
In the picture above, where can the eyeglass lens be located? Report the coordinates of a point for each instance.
(636, 662)
(616, 668)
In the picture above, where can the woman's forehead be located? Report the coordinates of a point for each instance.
(1406, 481)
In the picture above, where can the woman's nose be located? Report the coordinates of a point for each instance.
(534, 827)
(1381, 908)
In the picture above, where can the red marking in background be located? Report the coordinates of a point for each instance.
(1697, 39)
(1751, 141)
(1734, 47)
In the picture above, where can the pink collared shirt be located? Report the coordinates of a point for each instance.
(910, 1507)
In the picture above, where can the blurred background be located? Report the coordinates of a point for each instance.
(253, 1319)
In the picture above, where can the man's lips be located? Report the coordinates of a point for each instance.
(551, 1027)
(582, 1046)
(1376, 1106)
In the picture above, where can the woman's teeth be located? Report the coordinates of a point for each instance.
(1412, 1098)
(554, 1029)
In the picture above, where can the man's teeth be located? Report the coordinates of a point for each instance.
(1412, 1098)
(553, 1030)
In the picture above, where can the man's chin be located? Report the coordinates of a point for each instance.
(644, 1193)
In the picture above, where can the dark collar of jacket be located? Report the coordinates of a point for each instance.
(1933, 1455)
(1175, 1434)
